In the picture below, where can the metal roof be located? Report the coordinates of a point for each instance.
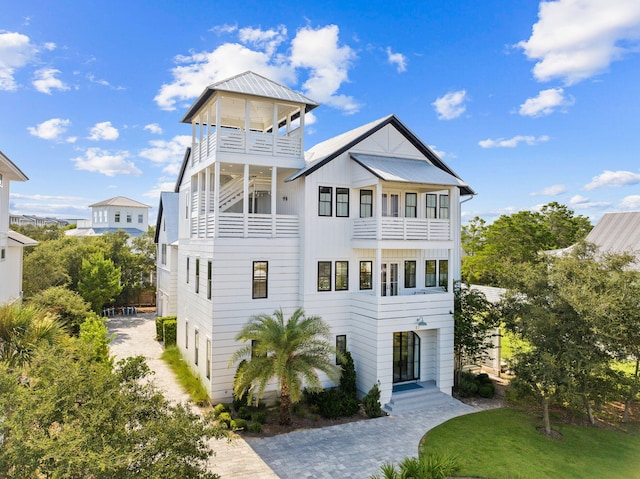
(168, 209)
(21, 239)
(250, 83)
(617, 232)
(120, 201)
(10, 169)
(329, 149)
(406, 170)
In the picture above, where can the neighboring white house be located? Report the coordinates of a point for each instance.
(118, 213)
(365, 233)
(166, 237)
(11, 242)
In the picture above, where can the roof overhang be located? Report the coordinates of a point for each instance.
(406, 170)
(18, 239)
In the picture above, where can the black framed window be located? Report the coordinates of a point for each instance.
(432, 202)
(365, 274)
(260, 279)
(197, 275)
(117, 217)
(187, 269)
(366, 203)
(444, 207)
(409, 274)
(163, 254)
(208, 352)
(128, 217)
(342, 202)
(325, 194)
(342, 275)
(196, 345)
(443, 274)
(209, 278)
(341, 347)
(411, 205)
(324, 275)
(430, 273)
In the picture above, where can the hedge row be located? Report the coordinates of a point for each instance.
(166, 330)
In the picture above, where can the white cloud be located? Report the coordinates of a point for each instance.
(451, 105)
(51, 129)
(101, 161)
(198, 70)
(153, 128)
(159, 188)
(315, 50)
(613, 178)
(582, 203)
(577, 39)
(441, 154)
(16, 51)
(512, 142)
(50, 46)
(318, 50)
(545, 103)
(397, 59)
(552, 190)
(267, 40)
(631, 202)
(45, 81)
(103, 131)
(220, 29)
(169, 153)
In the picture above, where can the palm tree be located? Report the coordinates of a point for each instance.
(291, 352)
(22, 329)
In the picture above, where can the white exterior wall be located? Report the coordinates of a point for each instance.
(367, 319)
(105, 217)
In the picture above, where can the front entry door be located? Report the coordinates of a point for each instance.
(406, 356)
(389, 279)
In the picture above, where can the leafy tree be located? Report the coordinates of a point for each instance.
(22, 330)
(290, 351)
(70, 308)
(39, 233)
(100, 281)
(495, 250)
(95, 334)
(77, 418)
(474, 318)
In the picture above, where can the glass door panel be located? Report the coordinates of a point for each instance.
(389, 279)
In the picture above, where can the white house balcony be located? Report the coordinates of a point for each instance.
(394, 228)
(232, 140)
(239, 225)
(405, 304)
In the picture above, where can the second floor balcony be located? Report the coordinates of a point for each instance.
(394, 228)
(238, 225)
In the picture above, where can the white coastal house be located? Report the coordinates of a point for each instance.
(118, 213)
(362, 230)
(11, 242)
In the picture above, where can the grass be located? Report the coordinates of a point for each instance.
(504, 444)
(189, 381)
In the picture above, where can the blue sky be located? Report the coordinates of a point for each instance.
(528, 102)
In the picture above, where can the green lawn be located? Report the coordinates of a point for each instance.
(504, 443)
(189, 381)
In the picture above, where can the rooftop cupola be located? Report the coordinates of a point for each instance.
(248, 114)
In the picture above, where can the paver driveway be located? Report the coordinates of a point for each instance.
(351, 450)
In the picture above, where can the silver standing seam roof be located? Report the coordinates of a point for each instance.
(250, 83)
(617, 233)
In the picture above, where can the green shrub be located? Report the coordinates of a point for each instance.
(255, 427)
(483, 378)
(225, 418)
(259, 417)
(371, 402)
(243, 400)
(219, 409)
(348, 376)
(169, 331)
(159, 326)
(467, 387)
(487, 390)
(238, 424)
(244, 412)
(331, 403)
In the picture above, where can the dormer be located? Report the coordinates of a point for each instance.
(248, 115)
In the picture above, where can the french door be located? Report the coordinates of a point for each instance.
(389, 279)
(406, 356)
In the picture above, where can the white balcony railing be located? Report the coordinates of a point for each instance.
(392, 228)
(233, 225)
(239, 141)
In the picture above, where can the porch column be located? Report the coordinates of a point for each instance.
(247, 124)
(245, 201)
(302, 111)
(217, 125)
(376, 273)
(274, 132)
(378, 207)
(207, 197)
(455, 224)
(216, 197)
(274, 198)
